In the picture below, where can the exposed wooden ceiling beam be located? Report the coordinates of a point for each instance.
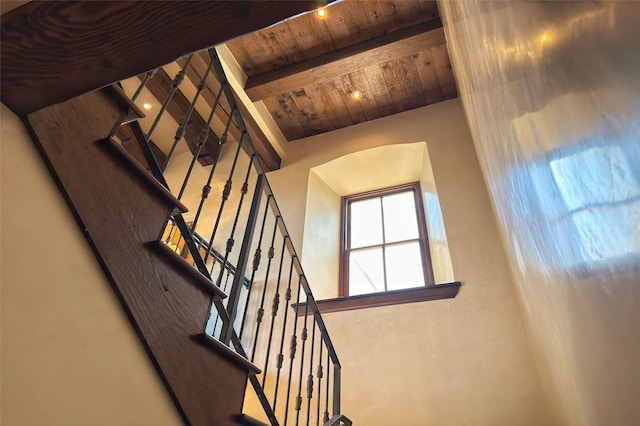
(159, 86)
(397, 44)
(53, 51)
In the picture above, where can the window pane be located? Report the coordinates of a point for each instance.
(400, 222)
(404, 266)
(366, 274)
(366, 223)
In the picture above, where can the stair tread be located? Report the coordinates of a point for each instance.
(133, 111)
(133, 165)
(200, 279)
(247, 420)
(226, 351)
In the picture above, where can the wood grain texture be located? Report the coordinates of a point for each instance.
(414, 295)
(341, 61)
(119, 215)
(52, 51)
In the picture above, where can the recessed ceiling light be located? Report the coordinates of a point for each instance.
(146, 106)
(321, 12)
(356, 95)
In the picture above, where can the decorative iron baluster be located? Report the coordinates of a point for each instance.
(182, 128)
(310, 377)
(319, 375)
(177, 81)
(227, 188)
(206, 188)
(274, 312)
(303, 337)
(292, 352)
(254, 268)
(287, 299)
(326, 402)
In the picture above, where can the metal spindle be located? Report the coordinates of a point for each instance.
(177, 81)
(257, 257)
(182, 128)
(303, 337)
(326, 402)
(148, 76)
(125, 114)
(287, 298)
(310, 377)
(226, 191)
(206, 189)
(320, 374)
(202, 139)
(292, 351)
(275, 306)
(230, 242)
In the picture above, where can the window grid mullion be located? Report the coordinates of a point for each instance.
(384, 246)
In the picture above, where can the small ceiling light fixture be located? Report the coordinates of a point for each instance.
(321, 12)
(356, 95)
(146, 106)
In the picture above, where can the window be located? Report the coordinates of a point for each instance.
(384, 242)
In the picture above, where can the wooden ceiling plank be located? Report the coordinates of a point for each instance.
(101, 46)
(308, 110)
(311, 41)
(159, 86)
(411, 81)
(392, 15)
(341, 61)
(282, 118)
(428, 77)
(428, 10)
(367, 102)
(353, 106)
(444, 71)
(370, 13)
(410, 11)
(392, 77)
(298, 121)
(380, 91)
(331, 96)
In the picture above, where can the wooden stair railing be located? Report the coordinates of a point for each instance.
(201, 342)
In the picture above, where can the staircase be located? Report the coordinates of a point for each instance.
(217, 295)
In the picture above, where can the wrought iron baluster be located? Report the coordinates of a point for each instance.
(227, 188)
(182, 128)
(206, 188)
(303, 338)
(292, 351)
(202, 139)
(326, 402)
(287, 298)
(177, 81)
(274, 312)
(319, 374)
(125, 114)
(310, 377)
(257, 257)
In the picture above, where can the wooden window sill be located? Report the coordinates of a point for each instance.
(396, 297)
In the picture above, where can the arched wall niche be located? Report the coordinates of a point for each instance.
(361, 171)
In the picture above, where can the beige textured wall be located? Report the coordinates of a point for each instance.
(69, 354)
(543, 81)
(465, 361)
